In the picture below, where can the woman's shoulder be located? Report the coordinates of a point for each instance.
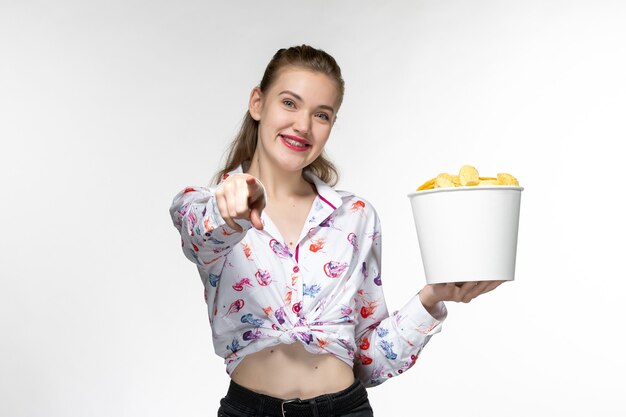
(356, 203)
(350, 202)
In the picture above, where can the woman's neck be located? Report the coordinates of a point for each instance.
(280, 184)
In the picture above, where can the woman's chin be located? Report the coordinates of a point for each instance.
(291, 164)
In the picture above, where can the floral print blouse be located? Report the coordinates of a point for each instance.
(326, 294)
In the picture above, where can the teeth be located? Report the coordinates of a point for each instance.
(294, 143)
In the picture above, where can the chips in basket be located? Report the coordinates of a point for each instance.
(467, 177)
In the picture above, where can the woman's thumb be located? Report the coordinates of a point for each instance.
(255, 218)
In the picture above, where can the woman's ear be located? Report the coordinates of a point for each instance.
(256, 103)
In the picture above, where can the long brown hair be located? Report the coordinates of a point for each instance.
(243, 146)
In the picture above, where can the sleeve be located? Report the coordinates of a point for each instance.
(387, 345)
(204, 234)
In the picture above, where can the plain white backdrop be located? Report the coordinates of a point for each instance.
(108, 108)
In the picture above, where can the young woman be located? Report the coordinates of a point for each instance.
(291, 266)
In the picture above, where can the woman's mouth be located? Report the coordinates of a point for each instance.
(295, 144)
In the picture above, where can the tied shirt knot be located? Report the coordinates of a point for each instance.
(298, 332)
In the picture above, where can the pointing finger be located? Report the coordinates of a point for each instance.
(241, 200)
(255, 189)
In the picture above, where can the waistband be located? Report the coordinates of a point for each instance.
(322, 405)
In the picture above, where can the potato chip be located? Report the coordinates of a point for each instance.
(468, 175)
(427, 185)
(507, 179)
(444, 180)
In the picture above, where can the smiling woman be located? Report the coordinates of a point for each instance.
(303, 59)
(291, 266)
(295, 114)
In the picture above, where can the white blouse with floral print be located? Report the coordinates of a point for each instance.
(326, 294)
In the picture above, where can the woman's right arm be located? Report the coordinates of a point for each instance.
(211, 221)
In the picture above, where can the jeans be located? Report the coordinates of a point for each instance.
(229, 407)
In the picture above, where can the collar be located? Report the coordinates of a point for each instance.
(326, 203)
(325, 192)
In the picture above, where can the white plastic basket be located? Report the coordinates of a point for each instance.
(467, 233)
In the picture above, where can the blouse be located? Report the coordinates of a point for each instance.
(326, 293)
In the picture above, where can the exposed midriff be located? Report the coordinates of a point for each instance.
(289, 371)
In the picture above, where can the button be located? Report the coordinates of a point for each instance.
(296, 269)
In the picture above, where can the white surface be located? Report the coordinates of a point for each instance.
(467, 233)
(108, 108)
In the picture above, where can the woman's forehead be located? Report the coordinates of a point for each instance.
(306, 84)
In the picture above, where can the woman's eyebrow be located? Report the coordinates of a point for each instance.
(321, 106)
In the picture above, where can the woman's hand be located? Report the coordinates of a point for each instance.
(241, 196)
(464, 292)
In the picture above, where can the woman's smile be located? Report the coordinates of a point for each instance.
(295, 143)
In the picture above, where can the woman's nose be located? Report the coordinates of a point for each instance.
(302, 123)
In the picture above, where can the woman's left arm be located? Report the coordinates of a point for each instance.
(388, 345)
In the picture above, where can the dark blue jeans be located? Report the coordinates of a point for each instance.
(241, 402)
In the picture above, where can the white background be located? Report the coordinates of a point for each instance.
(108, 108)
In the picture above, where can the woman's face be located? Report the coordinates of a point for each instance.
(295, 115)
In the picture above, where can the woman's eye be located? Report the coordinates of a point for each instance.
(289, 103)
(324, 116)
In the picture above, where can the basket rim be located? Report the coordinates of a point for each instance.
(466, 188)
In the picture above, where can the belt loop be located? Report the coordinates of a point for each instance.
(329, 398)
(314, 408)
